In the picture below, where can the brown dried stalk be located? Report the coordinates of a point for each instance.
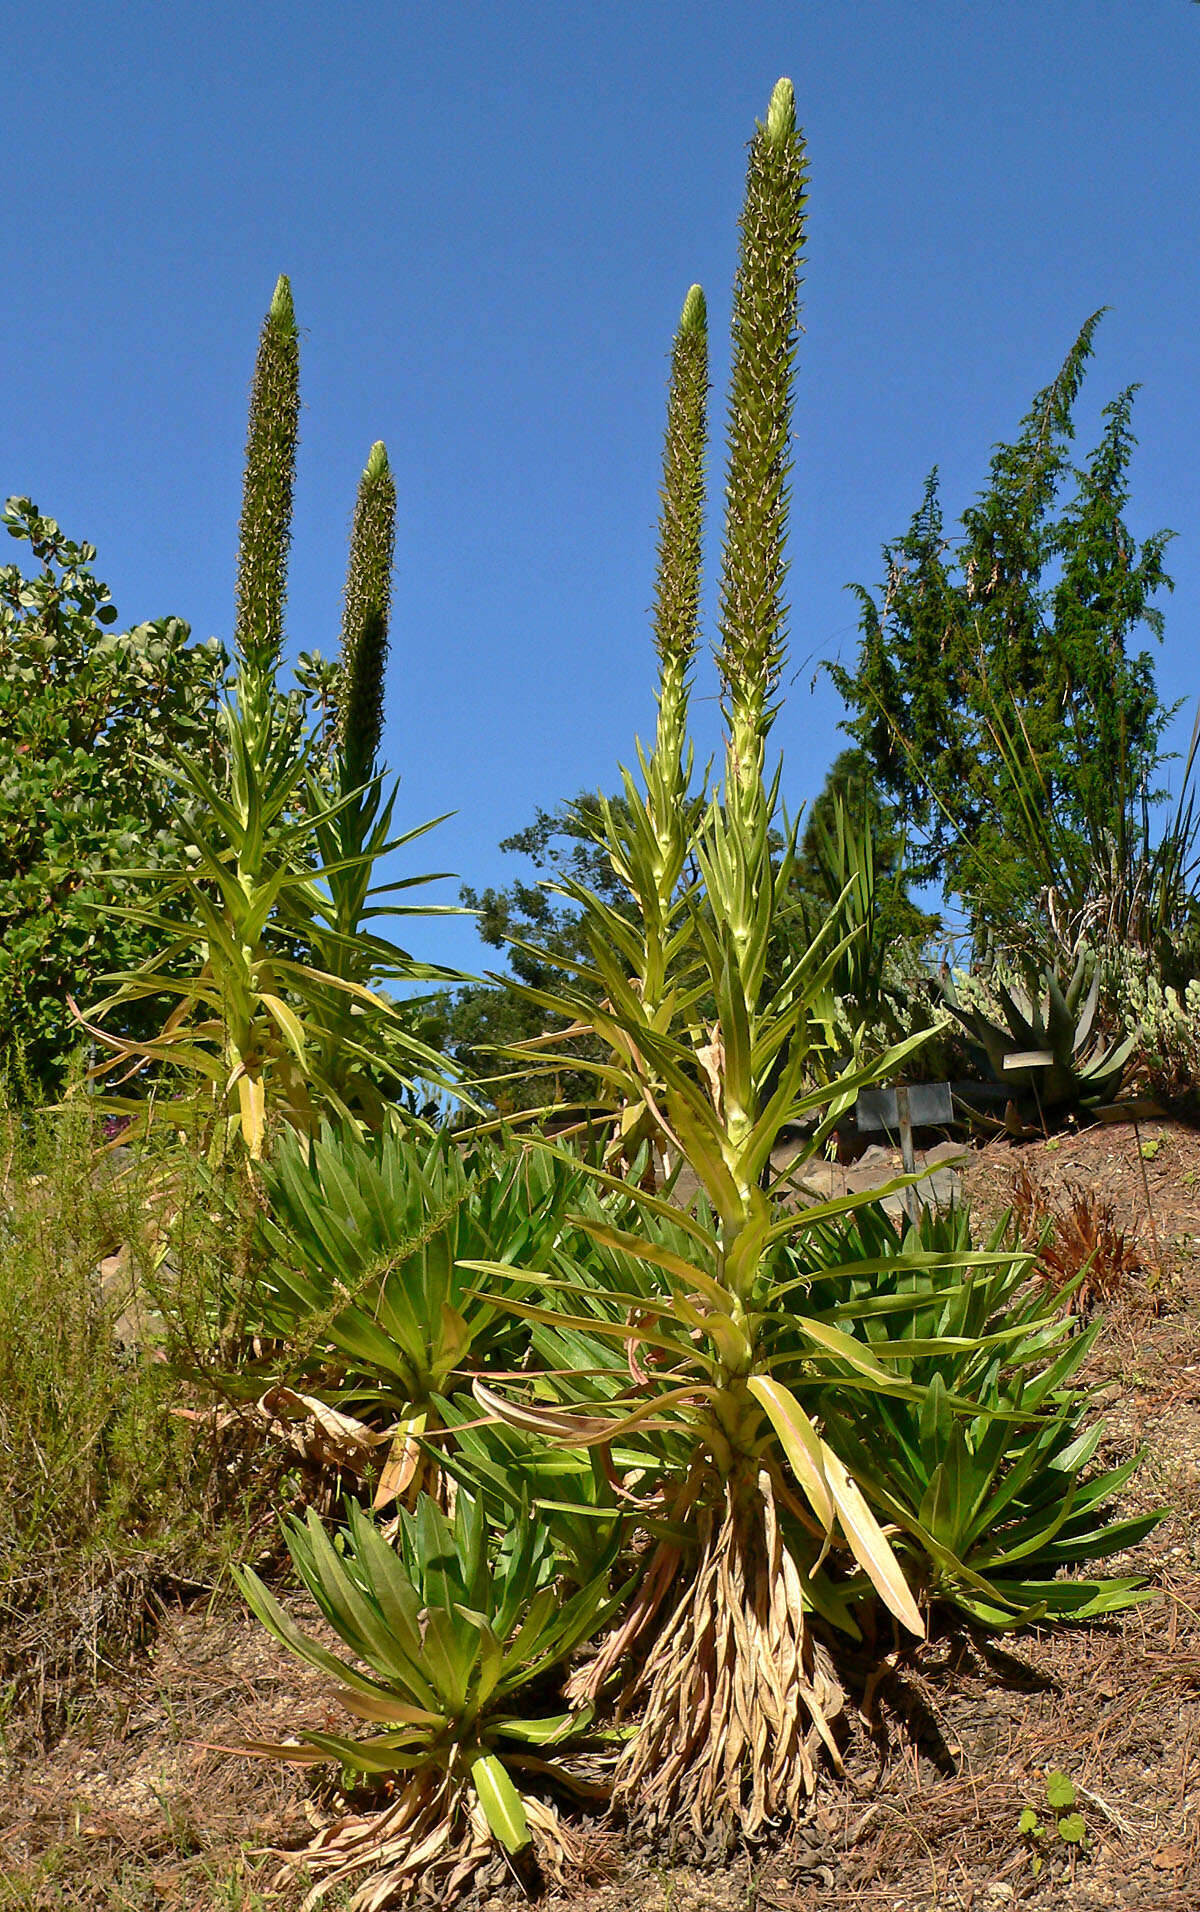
(737, 1696)
(425, 1849)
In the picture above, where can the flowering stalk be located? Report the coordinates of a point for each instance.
(265, 530)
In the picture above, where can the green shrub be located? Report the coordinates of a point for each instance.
(84, 712)
(85, 1448)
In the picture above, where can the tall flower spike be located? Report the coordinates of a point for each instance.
(766, 305)
(365, 620)
(265, 531)
(677, 592)
(677, 589)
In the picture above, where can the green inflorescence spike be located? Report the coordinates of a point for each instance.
(365, 619)
(765, 329)
(266, 523)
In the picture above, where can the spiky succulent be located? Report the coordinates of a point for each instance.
(456, 1634)
(992, 1505)
(1048, 1042)
(363, 1280)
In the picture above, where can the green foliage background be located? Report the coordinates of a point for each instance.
(998, 663)
(88, 715)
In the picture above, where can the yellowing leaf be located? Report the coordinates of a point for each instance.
(252, 1104)
(555, 1423)
(799, 1440)
(289, 1023)
(403, 1456)
(869, 1544)
(501, 1802)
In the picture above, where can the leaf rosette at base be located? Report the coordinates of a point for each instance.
(449, 1632)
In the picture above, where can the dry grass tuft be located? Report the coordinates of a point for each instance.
(1077, 1239)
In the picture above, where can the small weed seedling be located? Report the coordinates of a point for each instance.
(1068, 1825)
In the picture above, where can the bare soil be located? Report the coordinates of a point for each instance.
(129, 1804)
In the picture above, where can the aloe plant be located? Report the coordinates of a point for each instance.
(1048, 1042)
(451, 1635)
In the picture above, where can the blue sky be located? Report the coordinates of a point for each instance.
(490, 214)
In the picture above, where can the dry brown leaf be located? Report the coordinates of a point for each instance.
(320, 1433)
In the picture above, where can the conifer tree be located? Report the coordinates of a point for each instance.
(997, 690)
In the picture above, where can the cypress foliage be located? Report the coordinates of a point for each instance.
(766, 305)
(998, 690)
(365, 621)
(265, 531)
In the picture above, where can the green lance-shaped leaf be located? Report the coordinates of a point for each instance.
(681, 520)
(365, 621)
(765, 326)
(266, 524)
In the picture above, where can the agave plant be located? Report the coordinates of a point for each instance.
(986, 1464)
(449, 1633)
(1049, 1042)
(363, 1280)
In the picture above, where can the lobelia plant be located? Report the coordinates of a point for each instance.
(363, 1285)
(659, 1346)
(363, 1059)
(458, 1632)
(641, 972)
(276, 876)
